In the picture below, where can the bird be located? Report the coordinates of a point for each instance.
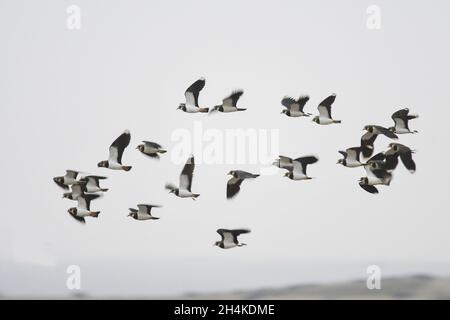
(68, 179)
(294, 108)
(377, 174)
(351, 158)
(283, 162)
(229, 104)
(324, 108)
(184, 189)
(115, 153)
(151, 149)
(191, 95)
(230, 238)
(405, 153)
(233, 185)
(93, 184)
(76, 190)
(143, 212)
(83, 208)
(299, 166)
(368, 139)
(401, 119)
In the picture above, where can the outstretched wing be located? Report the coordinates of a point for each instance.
(290, 103)
(187, 174)
(370, 189)
(191, 93)
(325, 106)
(233, 187)
(118, 146)
(304, 162)
(232, 100)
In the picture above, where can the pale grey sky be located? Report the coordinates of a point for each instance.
(66, 95)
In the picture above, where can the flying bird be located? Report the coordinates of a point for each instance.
(299, 166)
(377, 174)
(184, 189)
(83, 208)
(324, 108)
(397, 150)
(68, 179)
(229, 104)
(230, 238)
(143, 212)
(401, 119)
(351, 158)
(115, 153)
(151, 149)
(234, 184)
(93, 184)
(294, 108)
(191, 95)
(368, 139)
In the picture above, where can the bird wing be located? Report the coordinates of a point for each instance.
(302, 100)
(367, 141)
(304, 161)
(353, 153)
(386, 132)
(147, 208)
(237, 232)
(191, 93)
(370, 189)
(79, 219)
(233, 187)
(232, 100)
(84, 201)
(118, 146)
(408, 161)
(152, 144)
(77, 190)
(245, 175)
(290, 103)
(325, 106)
(61, 184)
(344, 154)
(227, 236)
(186, 174)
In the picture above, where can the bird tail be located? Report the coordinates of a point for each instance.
(203, 110)
(126, 168)
(104, 190)
(308, 114)
(241, 244)
(241, 109)
(195, 195)
(161, 151)
(337, 121)
(94, 214)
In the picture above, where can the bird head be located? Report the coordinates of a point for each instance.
(72, 211)
(217, 244)
(368, 128)
(68, 195)
(393, 146)
(316, 119)
(130, 214)
(58, 179)
(276, 163)
(140, 147)
(182, 106)
(231, 173)
(216, 108)
(102, 164)
(284, 111)
(391, 129)
(287, 174)
(340, 161)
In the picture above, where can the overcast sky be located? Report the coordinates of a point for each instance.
(65, 95)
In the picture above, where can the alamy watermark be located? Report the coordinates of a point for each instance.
(73, 20)
(374, 278)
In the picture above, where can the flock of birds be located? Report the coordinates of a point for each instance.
(379, 168)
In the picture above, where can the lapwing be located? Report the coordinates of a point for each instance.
(299, 166)
(368, 139)
(234, 184)
(294, 108)
(115, 153)
(83, 208)
(143, 212)
(184, 189)
(230, 238)
(151, 149)
(229, 104)
(191, 95)
(351, 158)
(324, 117)
(76, 190)
(401, 119)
